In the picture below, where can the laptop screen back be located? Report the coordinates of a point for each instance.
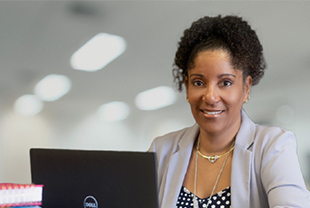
(79, 178)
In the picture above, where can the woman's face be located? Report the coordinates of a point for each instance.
(216, 92)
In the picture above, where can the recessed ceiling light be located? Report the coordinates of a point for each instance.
(28, 105)
(155, 98)
(114, 111)
(98, 52)
(52, 87)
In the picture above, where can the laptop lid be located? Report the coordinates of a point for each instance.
(92, 179)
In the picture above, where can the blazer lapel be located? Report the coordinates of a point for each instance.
(178, 167)
(240, 178)
(241, 164)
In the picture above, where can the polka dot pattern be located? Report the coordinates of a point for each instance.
(218, 200)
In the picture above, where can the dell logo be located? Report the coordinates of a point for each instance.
(90, 202)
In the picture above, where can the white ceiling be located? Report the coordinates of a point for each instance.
(38, 37)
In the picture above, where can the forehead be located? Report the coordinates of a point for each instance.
(213, 61)
(212, 58)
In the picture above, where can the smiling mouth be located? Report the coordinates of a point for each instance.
(212, 112)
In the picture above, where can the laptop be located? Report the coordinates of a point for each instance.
(95, 179)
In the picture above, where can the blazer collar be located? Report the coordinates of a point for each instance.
(245, 136)
(188, 138)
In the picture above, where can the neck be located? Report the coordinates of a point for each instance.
(211, 144)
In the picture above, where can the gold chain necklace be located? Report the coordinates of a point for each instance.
(195, 199)
(213, 158)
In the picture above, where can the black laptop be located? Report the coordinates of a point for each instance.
(95, 179)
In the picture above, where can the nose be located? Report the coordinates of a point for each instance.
(211, 95)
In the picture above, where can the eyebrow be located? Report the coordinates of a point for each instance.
(224, 75)
(199, 75)
(220, 76)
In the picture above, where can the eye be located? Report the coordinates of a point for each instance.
(226, 83)
(197, 83)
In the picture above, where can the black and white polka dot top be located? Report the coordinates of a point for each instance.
(218, 200)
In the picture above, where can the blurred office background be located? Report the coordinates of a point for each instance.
(39, 38)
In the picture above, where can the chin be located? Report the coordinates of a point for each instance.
(211, 128)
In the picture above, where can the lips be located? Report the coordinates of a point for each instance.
(212, 112)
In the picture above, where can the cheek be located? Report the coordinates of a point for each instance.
(235, 98)
(194, 96)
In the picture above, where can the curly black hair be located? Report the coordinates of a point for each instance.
(231, 34)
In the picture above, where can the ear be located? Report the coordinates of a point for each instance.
(247, 86)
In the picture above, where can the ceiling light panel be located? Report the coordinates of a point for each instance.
(155, 98)
(98, 52)
(114, 111)
(28, 105)
(52, 87)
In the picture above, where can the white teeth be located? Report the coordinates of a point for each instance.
(212, 112)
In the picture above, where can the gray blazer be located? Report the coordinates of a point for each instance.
(265, 168)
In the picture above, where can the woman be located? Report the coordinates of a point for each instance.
(225, 155)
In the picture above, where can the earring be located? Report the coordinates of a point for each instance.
(248, 98)
(187, 99)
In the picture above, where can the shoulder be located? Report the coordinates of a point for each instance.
(252, 135)
(167, 145)
(170, 141)
(273, 138)
(272, 131)
(274, 152)
(265, 142)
